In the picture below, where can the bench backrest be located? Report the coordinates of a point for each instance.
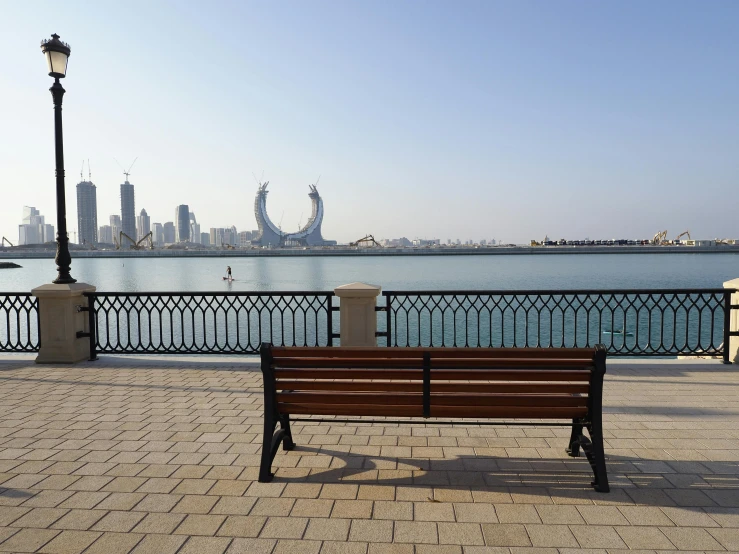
(434, 382)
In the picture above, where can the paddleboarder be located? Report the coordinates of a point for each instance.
(228, 272)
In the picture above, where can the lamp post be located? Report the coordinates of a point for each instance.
(57, 55)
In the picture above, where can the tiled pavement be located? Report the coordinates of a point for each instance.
(161, 455)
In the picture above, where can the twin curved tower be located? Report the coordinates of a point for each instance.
(271, 235)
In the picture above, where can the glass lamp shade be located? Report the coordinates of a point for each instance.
(57, 56)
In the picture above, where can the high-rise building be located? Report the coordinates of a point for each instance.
(205, 239)
(34, 230)
(182, 223)
(194, 229)
(115, 227)
(157, 234)
(169, 233)
(105, 234)
(245, 238)
(143, 225)
(217, 236)
(128, 209)
(87, 213)
(230, 236)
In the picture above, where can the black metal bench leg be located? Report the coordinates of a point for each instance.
(287, 441)
(573, 449)
(598, 461)
(265, 467)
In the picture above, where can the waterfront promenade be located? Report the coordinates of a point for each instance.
(160, 455)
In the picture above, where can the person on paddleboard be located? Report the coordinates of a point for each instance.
(228, 272)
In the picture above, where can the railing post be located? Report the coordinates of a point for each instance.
(388, 309)
(92, 326)
(731, 321)
(357, 316)
(330, 320)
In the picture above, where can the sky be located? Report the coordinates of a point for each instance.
(424, 119)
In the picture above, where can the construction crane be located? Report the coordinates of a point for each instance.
(135, 245)
(681, 235)
(4, 241)
(660, 237)
(126, 173)
(366, 242)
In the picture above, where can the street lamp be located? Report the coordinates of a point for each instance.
(57, 55)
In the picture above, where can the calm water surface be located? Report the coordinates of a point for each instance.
(594, 271)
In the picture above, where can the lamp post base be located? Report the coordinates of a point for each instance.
(60, 321)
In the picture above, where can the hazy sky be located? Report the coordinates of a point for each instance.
(487, 119)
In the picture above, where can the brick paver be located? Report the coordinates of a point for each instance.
(161, 455)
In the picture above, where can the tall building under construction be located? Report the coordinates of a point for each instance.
(87, 213)
(128, 210)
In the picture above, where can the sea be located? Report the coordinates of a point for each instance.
(398, 273)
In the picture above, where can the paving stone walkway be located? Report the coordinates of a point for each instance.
(161, 456)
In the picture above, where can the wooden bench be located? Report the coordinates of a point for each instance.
(450, 383)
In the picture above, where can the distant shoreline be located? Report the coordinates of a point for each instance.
(13, 253)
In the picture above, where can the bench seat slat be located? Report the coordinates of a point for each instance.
(416, 352)
(508, 411)
(437, 399)
(438, 374)
(395, 386)
(350, 410)
(439, 362)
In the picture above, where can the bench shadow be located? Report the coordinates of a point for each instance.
(564, 480)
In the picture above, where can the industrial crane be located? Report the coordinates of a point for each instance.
(660, 237)
(368, 242)
(681, 235)
(4, 241)
(135, 245)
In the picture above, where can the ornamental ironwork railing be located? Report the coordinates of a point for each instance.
(19, 322)
(207, 322)
(629, 322)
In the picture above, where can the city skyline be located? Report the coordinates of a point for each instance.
(489, 119)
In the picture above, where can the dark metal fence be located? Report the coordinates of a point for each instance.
(208, 322)
(629, 322)
(19, 322)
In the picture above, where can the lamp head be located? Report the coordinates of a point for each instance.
(57, 55)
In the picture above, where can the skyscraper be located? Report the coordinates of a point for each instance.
(157, 234)
(87, 213)
(182, 223)
(169, 234)
(105, 234)
(128, 210)
(143, 225)
(115, 227)
(34, 230)
(194, 229)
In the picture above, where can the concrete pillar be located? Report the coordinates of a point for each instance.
(733, 345)
(357, 314)
(59, 322)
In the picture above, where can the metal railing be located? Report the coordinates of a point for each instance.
(687, 322)
(207, 322)
(19, 322)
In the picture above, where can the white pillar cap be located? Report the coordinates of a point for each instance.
(357, 290)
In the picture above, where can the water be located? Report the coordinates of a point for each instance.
(648, 323)
(315, 273)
